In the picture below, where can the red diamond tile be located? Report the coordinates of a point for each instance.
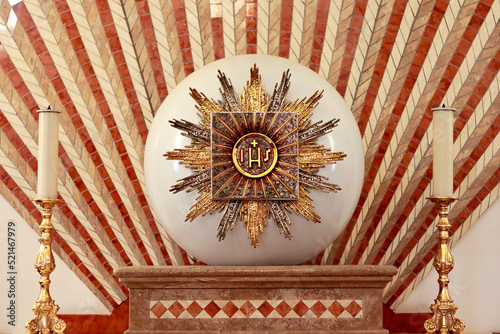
(318, 309)
(158, 309)
(301, 308)
(247, 309)
(194, 309)
(265, 309)
(336, 309)
(353, 308)
(283, 309)
(212, 309)
(176, 309)
(230, 309)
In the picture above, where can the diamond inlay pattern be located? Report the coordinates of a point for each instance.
(227, 309)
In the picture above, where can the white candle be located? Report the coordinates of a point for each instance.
(443, 152)
(48, 141)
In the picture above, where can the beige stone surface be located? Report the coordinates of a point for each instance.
(293, 285)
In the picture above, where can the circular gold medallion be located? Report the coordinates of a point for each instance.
(255, 155)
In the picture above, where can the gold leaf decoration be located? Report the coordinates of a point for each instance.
(232, 149)
(254, 215)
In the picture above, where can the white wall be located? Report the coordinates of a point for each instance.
(475, 280)
(66, 289)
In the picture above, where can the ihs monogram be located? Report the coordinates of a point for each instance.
(254, 156)
(262, 153)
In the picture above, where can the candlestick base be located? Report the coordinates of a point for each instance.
(443, 320)
(45, 320)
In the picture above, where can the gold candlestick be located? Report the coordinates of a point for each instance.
(45, 320)
(443, 320)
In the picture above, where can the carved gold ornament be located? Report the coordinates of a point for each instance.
(254, 156)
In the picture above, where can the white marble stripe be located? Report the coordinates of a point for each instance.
(156, 9)
(228, 27)
(13, 116)
(297, 28)
(410, 107)
(162, 43)
(449, 99)
(369, 21)
(105, 78)
(395, 60)
(329, 43)
(193, 22)
(263, 8)
(32, 62)
(482, 108)
(77, 95)
(173, 249)
(122, 28)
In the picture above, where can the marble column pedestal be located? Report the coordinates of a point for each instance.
(271, 299)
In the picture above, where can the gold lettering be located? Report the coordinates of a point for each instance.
(252, 160)
(266, 159)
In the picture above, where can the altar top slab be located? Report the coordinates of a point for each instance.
(237, 276)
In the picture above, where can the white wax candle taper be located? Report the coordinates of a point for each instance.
(443, 152)
(48, 141)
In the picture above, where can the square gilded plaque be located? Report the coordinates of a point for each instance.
(254, 155)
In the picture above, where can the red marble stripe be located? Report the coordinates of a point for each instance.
(115, 323)
(183, 35)
(49, 66)
(473, 101)
(444, 84)
(56, 238)
(381, 64)
(121, 66)
(251, 26)
(217, 30)
(285, 28)
(319, 34)
(218, 37)
(351, 45)
(21, 88)
(404, 322)
(419, 58)
(152, 47)
(378, 73)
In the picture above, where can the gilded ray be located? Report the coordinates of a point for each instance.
(281, 218)
(313, 156)
(304, 108)
(228, 219)
(192, 182)
(195, 132)
(254, 98)
(317, 130)
(303, 206)
(205, 205)
(205, 107)
(278, 98)
(193, 157)
(254, 214)
(228, 94)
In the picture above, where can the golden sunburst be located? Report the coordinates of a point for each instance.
(254, 156)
